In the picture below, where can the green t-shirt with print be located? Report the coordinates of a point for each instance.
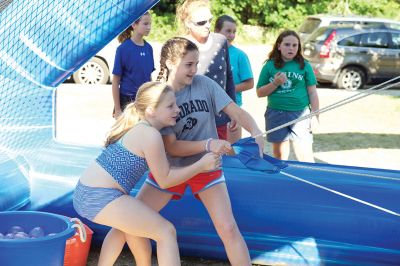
(292, 95)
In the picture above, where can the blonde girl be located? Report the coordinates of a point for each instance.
(133, 146)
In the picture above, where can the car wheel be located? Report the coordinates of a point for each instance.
(95, 71)
(351, 78)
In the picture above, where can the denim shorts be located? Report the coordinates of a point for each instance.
(300, 131)
(89, 201)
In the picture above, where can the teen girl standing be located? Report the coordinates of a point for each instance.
(134, 145)
(290, 84)
(200, 99)
(240, 63)
(133, 63)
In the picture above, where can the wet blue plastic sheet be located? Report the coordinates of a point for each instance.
(41, 44)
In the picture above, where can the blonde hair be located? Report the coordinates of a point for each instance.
(184, 10)
(172, 50)
(127, 33)
(150, 94)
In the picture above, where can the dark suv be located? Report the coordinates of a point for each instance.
(349, 57)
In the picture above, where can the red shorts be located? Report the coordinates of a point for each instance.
(197, 184)
(222, 132)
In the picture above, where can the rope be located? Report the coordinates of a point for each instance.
(347, 100)
(345, 172)
(343, 195)
(333, 106)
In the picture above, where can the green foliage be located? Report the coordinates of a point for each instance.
(163, 27)
(273, 15)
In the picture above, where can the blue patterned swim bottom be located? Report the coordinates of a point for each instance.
(89, 201)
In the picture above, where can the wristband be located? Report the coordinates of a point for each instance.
(208, 143)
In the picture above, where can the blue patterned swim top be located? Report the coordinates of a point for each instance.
(124, 166)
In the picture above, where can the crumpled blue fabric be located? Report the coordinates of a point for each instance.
(247, 152)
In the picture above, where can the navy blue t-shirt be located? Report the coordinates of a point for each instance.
(134, 64)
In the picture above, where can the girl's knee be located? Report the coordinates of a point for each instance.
(228, 230)
(170, 229)
(166, 231)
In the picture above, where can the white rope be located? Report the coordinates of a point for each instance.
(342, 194)
(347, 100)
(345, 172)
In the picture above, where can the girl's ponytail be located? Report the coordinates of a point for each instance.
(128, 119)
(150, 94)
(163, 74)
(126, 34)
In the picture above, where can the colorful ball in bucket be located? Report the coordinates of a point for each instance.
(15, 229)
(37, 232)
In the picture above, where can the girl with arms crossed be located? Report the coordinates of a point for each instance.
(133, 145)
(240, 64)
(290, 84)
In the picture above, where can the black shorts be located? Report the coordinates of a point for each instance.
(124, 100)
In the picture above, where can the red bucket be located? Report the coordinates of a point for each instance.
(78, 246)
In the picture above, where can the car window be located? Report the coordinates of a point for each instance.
(395, 26)
(375, 24)
(372, 24)
(396, 40)
(374, 40)
(350, 41)
(320, 35)
(339, 23)
(309, 25)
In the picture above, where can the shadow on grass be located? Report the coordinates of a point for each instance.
(351, 141)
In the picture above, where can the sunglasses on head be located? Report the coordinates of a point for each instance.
(202, 22)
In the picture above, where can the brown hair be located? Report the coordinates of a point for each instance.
(172, 50)
(219, 24)
(127, 33)
(149, 94)
(184, 10)
(276, 56)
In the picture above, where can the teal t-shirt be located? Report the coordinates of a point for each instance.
(241, 69)
(292, 95)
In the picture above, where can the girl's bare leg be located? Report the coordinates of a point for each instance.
(303, 151)
(281, 150)
(114, 243)
(217, 202)
(111, 247)
(139, 246)
(135, 218)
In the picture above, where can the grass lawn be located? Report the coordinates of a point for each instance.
(364, 133)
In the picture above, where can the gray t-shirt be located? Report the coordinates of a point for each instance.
(199, 102)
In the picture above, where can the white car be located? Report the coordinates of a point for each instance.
(99, 68)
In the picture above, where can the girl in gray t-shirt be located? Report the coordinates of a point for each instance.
(200, 99)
